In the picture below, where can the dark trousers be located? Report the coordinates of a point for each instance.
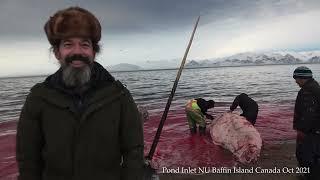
(308, 155)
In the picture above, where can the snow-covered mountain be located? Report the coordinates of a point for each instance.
(124, 67)
(250, 58)
(304, 56)
(160, 64)
(241, 59)
(315, 59)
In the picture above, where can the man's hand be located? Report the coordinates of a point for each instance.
(208, 116)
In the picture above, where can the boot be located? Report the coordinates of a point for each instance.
(193, 130)
(202, 131)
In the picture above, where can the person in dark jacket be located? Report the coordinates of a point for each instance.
(196, 110)
(307, 121)
(80, 123)
(248, 106)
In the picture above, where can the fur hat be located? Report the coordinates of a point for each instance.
(72, 22)
(302, 72)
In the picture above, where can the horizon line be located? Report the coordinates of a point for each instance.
(163, 69)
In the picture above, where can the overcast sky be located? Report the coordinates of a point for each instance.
(141, 30)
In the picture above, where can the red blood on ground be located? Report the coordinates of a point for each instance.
(8, 167)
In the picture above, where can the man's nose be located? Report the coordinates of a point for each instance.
(77, 49)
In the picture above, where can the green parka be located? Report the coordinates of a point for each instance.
(57, 142)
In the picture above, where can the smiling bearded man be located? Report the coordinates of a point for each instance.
(80, 123)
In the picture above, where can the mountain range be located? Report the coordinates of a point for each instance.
(124, 67)
(241, 59)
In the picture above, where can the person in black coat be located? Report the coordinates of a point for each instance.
(80, 123)
(306, 122)
(248, 106)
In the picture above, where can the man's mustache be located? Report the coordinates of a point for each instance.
(77, 57)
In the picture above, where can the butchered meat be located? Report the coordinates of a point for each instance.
(234, 133)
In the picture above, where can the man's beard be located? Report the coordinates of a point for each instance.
(76, 77)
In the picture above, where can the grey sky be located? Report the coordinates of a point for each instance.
(27, 17)
(140, 30)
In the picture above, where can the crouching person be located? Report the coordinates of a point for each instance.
(196, 111)
(248, 106)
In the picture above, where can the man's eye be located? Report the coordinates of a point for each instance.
(67, 44)
(86, 45)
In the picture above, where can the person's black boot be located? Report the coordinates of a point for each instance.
(202, 131)
(193, 130)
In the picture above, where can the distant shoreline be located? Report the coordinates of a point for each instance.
(165, 69)
(205, 67)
